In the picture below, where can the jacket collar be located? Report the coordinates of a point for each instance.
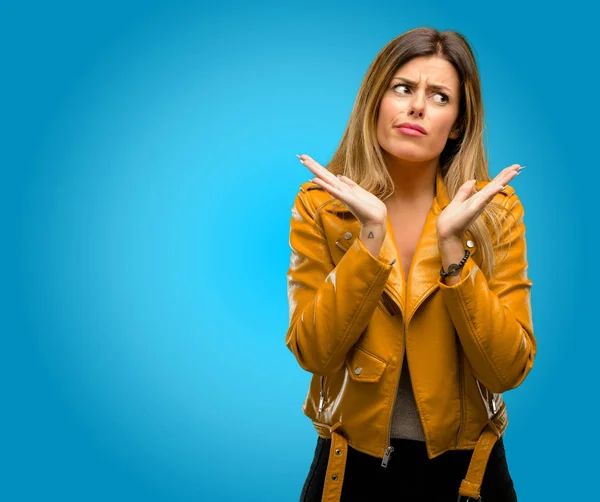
(424, 275)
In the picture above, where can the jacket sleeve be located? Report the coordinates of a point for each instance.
(493, 319)
(329, 305)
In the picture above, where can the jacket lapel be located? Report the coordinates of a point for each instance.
(424, 272)
(388, 253)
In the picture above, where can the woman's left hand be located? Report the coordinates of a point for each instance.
(456, 217)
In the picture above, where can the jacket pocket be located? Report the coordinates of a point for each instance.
(362, 366)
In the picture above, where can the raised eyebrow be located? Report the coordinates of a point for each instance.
(436, 87)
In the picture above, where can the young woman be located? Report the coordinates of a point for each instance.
(408, 289)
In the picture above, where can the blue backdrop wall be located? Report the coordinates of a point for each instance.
(148, 172)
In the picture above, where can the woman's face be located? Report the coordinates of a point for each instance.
(424, 91)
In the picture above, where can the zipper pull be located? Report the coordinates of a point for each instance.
(386, 456)
(322, 401)
(322, 394)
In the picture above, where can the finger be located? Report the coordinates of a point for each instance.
(508, 174)
(338, 194)
(347, 180)
(499, 183)
(492, 188)
(464, 191)
(486, 194)
(318, 169)
(326, 178)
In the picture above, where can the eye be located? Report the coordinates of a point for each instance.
(399, 85)
(445, 98)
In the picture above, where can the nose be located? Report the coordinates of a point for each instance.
(417, 105)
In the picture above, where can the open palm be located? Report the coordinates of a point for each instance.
(367, 207)
(465, 208)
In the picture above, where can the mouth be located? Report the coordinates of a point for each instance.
(411, 129)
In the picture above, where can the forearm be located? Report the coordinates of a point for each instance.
(497, 335)
(327, 323)
(372, 235)
(330, 305)
(491, 312)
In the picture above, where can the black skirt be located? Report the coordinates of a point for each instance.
(410, 475)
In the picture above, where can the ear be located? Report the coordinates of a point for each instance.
(454, 133)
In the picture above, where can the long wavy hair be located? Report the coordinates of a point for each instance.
(359, 155)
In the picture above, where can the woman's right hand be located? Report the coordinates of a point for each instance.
(368, 208)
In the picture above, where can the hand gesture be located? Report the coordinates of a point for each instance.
(464, 209)
(367, 208)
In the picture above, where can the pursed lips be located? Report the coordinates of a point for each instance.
(411, 129)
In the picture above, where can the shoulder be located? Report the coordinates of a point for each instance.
(313, 196)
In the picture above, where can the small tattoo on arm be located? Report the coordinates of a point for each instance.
(371, 236)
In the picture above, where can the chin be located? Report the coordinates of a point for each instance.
(409, 154)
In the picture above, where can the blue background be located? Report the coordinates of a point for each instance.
(148, 172)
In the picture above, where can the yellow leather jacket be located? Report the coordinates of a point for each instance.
(353, 317)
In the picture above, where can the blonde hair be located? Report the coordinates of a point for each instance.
(359, 155)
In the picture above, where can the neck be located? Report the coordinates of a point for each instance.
(414, 182)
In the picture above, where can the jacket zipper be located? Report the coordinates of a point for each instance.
(460, 393)
(488, 403)
(386, 303)
(390, 449)
(322, 394)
